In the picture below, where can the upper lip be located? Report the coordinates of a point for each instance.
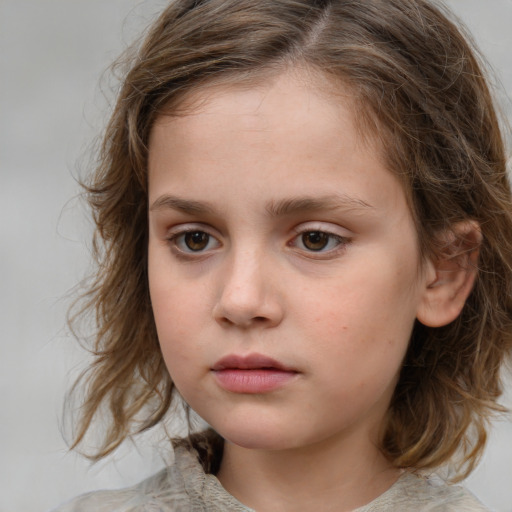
(250, 362)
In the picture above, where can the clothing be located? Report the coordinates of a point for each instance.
(186, 487)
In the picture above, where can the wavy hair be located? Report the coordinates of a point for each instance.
(420, 89)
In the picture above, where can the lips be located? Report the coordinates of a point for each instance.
(250, 362)
(252, 374)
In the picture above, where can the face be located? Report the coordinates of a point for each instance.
(283, 264)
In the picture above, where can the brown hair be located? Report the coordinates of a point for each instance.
(420, 89)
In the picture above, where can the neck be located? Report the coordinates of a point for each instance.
(333, 475)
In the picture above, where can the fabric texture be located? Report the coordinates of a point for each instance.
(185, 486)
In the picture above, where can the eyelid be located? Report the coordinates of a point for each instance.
(325, 227)
(187, 227)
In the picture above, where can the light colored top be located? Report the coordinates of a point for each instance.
(185, 487)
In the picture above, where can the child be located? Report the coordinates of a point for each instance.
(305, 228)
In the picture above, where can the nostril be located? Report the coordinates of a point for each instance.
(227, 321)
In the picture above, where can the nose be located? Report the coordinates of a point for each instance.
(248, 294)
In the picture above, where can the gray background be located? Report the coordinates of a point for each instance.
(53, 54)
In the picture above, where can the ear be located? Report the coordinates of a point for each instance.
(450, 275)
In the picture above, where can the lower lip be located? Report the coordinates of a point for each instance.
(253, 381)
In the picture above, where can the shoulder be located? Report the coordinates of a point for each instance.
(424, 494)
(183, 486)
(161, 492)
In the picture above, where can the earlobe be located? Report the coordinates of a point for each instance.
(450, 275)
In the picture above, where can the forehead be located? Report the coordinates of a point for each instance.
(288, 137)
(262, 83)
(304, 95)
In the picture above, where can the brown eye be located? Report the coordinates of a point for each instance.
(315, 240)
(196, 240)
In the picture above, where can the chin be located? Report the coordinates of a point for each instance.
(257, 440)
(255, 435)
(262, 437)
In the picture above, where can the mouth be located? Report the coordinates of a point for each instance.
(252, 374)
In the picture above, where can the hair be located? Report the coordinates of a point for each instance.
(420, 90)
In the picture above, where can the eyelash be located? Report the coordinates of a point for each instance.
(181, 250)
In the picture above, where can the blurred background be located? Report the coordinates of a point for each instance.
(53, 57)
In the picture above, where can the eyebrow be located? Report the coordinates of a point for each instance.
(278, 208)
(167, 202)
(311, 204)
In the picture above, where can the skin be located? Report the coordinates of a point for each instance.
(341, 316)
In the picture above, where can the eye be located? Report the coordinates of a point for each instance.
(194, 241)
(317, 241)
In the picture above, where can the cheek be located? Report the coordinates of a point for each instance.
(173, 309)
(363, 321)
(176, 301)
(361, 305)
(173, 319)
